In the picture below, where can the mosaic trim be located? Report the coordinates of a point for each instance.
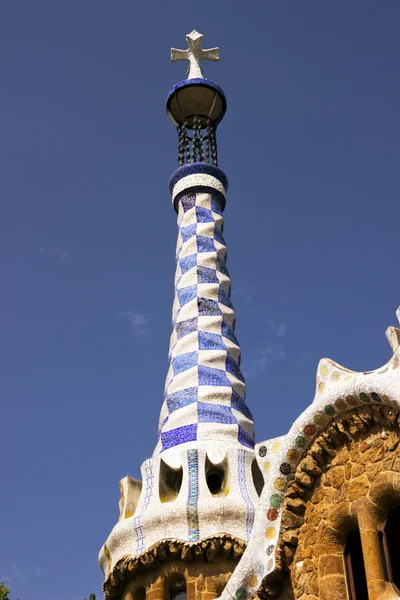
(338, 390)
(193, 495)
(244, 491)
(197, 168)
(197, 180)
(205, 390)
(199, 81)
(197, 177)
(148, 492)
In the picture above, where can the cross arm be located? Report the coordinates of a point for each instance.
(179, 54)
(210, 54)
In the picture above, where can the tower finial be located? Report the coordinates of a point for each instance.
(194, 54)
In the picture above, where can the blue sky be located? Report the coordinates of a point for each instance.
(310, 145)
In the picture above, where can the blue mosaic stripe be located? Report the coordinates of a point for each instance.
(244, 491)
(180, 435)
(148, 492)
(245, 438)
(193, 495)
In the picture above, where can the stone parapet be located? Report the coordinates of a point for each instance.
(348, 480)
(175, 556)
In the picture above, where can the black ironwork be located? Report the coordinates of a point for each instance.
(197, 141)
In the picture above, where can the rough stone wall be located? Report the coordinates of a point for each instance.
(349, 478)
(211, 560)
(203, 581)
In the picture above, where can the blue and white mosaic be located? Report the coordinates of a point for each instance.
(204, 404)
(205, 389)
(193, 496)
(245, 492)
(148, 492)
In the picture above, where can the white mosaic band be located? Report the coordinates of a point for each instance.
(197, 180)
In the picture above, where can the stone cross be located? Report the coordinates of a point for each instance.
(195, 54)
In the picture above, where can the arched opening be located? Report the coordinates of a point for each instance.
(258, 478)
(217, 477)
(215, 480)
(170, 482)
(140, 594)
(177, 590)
(355, 569)
(391, 546)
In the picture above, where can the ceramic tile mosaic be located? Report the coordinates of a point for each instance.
(337, 390)
(244, 492)
(137, 519)
(193, 495)
(204, 417)
(205, 389)
(197, 177)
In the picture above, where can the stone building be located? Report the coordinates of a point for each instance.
(313, 514)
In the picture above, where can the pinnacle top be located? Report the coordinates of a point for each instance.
(194, 54)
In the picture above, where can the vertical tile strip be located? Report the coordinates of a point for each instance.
(148, 492)
(193, 494)
(244, 492)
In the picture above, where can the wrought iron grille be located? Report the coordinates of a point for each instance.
(197, 141)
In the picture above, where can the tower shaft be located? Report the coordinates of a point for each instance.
(205, 389)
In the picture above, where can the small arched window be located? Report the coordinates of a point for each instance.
(170, 482)
(217, 477)
(355, 570)
(258, 478)
(391, 543)
(178, 590)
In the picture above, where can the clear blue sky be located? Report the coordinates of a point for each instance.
(310, 144)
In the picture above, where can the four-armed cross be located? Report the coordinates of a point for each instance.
(195, 54)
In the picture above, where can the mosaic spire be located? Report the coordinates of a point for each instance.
(210, 508)
(202, 483)
(205, 389)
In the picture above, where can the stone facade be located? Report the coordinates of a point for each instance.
(204, 581)
(349, 479)
(205, 567)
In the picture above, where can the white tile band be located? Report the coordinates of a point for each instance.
(197, 179)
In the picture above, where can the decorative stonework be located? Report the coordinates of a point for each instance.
(222, 548)
(195, 54)
(204, 581)
(193, 496)
(198, 176)
(349, 463)
(245, 493)
(193, 512)
(342, 392)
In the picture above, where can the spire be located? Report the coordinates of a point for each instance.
(205, 390)
(200, 485)
(196, 106)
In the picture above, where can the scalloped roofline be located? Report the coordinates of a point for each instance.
(338, 391)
